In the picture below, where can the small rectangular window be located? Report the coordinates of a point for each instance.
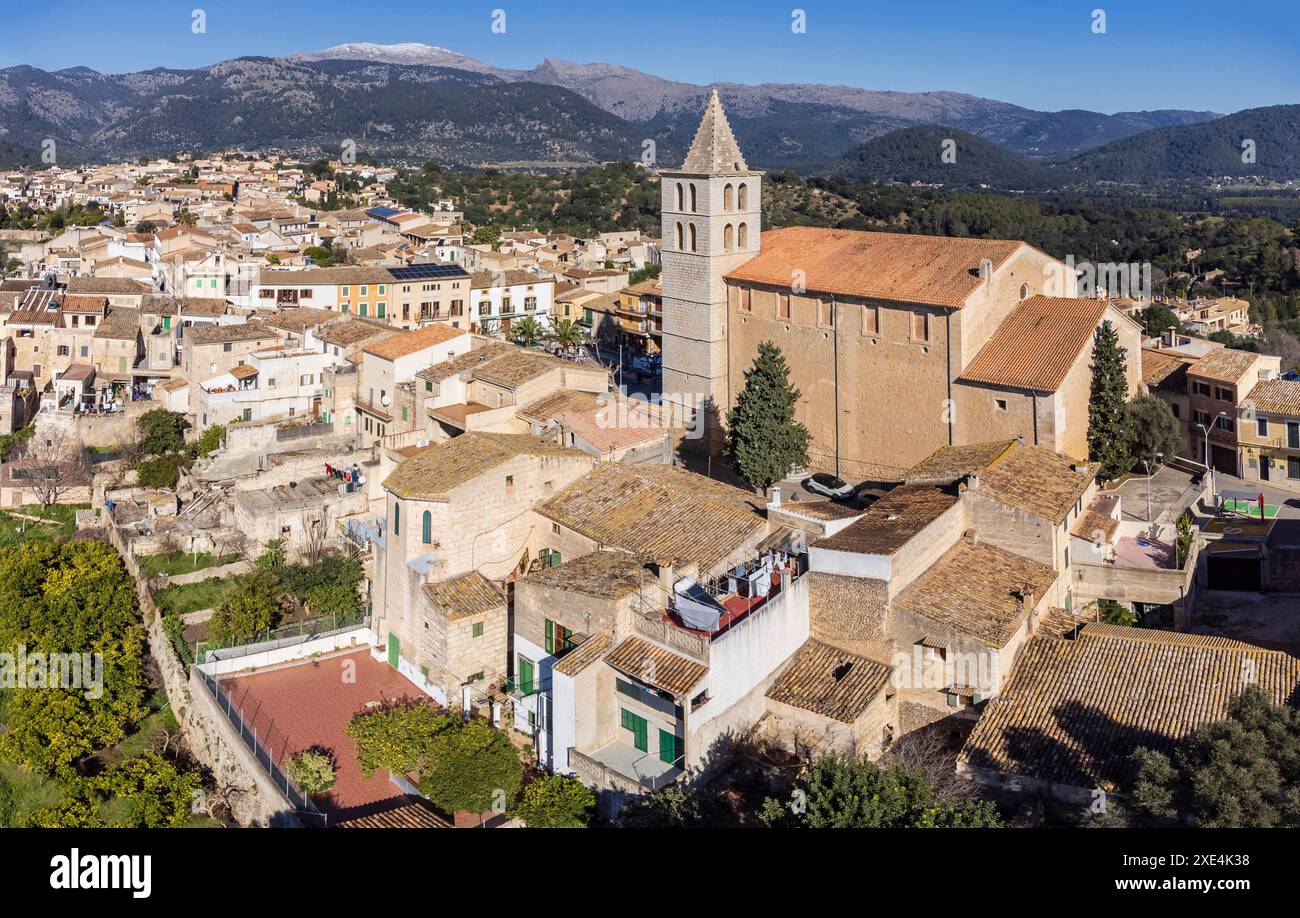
(870, 320)
(920, 326)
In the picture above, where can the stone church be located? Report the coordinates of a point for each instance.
(899, 344)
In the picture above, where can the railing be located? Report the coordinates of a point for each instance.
(248, 733)
(283, 636)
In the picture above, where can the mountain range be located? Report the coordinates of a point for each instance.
(413, 101)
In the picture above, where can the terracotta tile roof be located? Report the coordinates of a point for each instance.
(974, 589)
(244, 371)
(1035, 347)
(413, 815)
(1073, 711)
(950, 463)
(465, 596)
(1161, 369)
(408, 343)
(891, 522)
(107, 285)
(485, 280)
(352, 331)
(299, 318)
(657, 512)
(1276, 396)
(121, 324)
(1224, 365)
(897, 267)
(831, 682)
(582, 656)
(558, 402)
(513, 369)
(434, 472)
(1058, 622)
(478, 355)
(656, 666)
(1090, 525)
(1028, 478)
(84, 303)
(211, 333)
(603, 574)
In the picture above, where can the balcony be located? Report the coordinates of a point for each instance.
(618, 766)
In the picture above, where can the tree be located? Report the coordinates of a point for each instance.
(765, 441)
(53, 464)
(557, 802)
(160, 431)
(146, 792)
(1240, 772)
(211, 439)
(671, 807)
(1108, 430)
(527, 331)
(567, 333)
(397, 735)
(160, 471)
(73, 597)
(312, 770)
(1116, 613)
(248, 609)
(272, 557)
(489, 234)
(471, 768)
(837, 791)
(1278, 342)
(186, 218)
(1157, 318)
(1154, 428)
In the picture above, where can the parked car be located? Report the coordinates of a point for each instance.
(828, 484)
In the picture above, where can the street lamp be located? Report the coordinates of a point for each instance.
(1205, 430)
(1147, 463)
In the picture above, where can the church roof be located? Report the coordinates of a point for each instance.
(714, 148)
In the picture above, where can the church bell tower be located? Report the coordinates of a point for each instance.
(711, 214)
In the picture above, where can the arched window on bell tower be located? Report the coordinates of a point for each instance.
(680, 246)
(728, 196)
(694, 209)
(681, 197)
(727, 237)
(693, 247)
(742, 236)
(742, 196)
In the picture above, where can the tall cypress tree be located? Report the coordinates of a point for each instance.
(764, 441)
(1109, 435)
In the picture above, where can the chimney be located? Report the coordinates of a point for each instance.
(973, 481)
(972, 535)
(986, 268)
(666, 575)
(1170, 334)
(776, 496)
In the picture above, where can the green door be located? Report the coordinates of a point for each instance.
(637, 724)
(670, 749)
(525, 675)
(394, 650)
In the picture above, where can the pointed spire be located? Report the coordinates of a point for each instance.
(714, 148)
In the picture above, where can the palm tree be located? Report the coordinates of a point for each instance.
(527, 331)
(568, 333)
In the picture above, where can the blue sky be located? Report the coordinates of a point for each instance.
(1042, 54)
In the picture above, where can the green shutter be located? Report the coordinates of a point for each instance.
(394, 650)
(550, 636)
(638, 726)
(525, 675)
(669, 747)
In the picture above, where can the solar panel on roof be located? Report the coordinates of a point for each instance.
(427, 272)
(382, 212)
